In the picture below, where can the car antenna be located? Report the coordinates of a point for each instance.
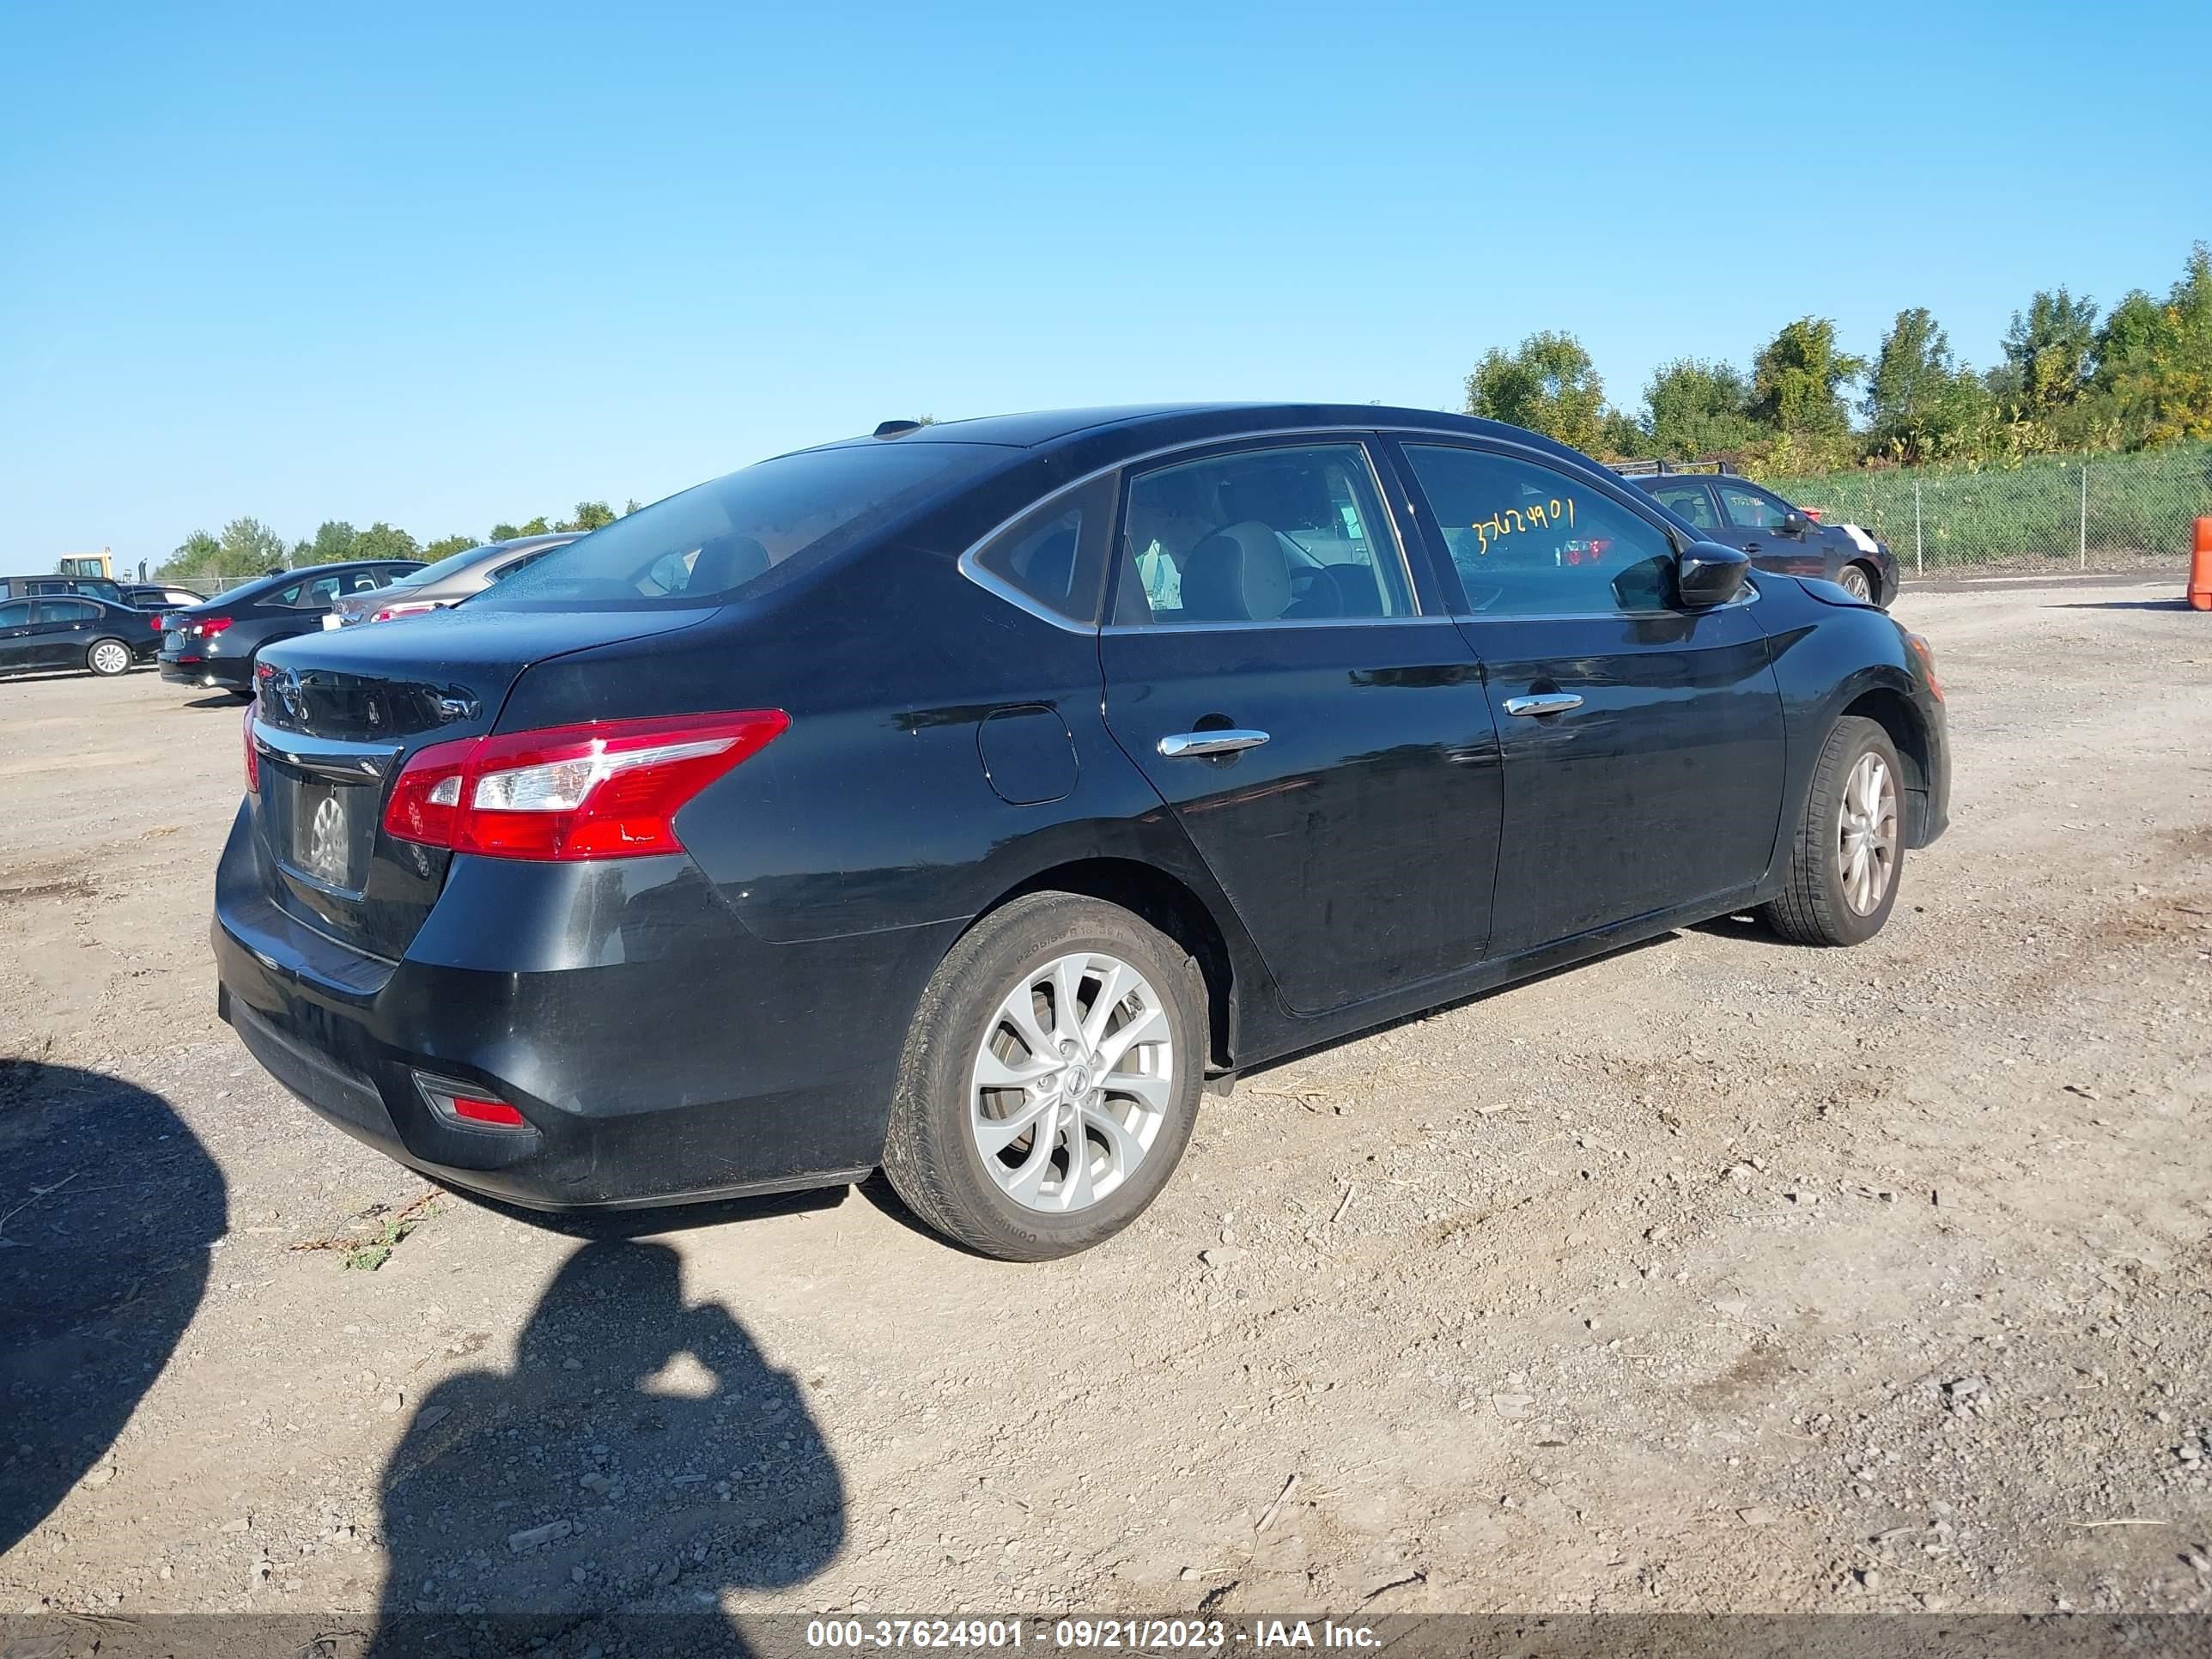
(893, 428)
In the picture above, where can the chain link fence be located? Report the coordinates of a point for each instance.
(2115, 512)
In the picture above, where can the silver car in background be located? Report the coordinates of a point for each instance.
(448, 581)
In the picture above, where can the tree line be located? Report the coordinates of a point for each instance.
(2068, 380)
(246, 547)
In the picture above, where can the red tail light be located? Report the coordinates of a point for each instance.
(607, 790)
(209, 628)
(413, 607)
(252, 756)
(155, 623)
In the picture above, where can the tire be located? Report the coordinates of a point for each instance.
(1824, 904)
(1858, 581)
(107, 658)
(1024, 1198)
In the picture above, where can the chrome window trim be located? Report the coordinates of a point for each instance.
(1277, 622)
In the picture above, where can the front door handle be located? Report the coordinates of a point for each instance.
(1183, 745)
(1546, 703)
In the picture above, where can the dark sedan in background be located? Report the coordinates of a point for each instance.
(1776, 535)
(215, 643)
(75, 630)
(957, 799)
(448, 582)
(160, 596)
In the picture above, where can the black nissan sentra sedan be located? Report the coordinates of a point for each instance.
(960, 800)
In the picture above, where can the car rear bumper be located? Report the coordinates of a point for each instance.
(229, 673)
(684, 1059)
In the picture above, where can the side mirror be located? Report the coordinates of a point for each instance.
(1794, 523)
(1707, 573)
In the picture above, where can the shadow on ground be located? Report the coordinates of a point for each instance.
(108, 1205)
(641, 1459)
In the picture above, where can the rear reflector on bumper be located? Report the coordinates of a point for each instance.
(457, 1102)
(609, 789)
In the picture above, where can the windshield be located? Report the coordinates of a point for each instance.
(700, 547)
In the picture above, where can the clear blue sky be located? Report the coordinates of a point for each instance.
(449, 264)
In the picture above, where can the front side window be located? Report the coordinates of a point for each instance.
(703, 546)
(1527, 540)
(16, 613)
(1689, 502)
(1290, 534)
(1751, 509)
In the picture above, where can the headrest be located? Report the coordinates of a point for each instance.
(724, 563)
(1237, 574)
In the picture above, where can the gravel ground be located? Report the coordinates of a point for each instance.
(1717, 1275)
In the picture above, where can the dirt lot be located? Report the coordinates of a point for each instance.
(1716, 1275)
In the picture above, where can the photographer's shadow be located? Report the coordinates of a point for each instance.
(641, 1459)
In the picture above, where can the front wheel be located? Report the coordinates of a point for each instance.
(1849, 851)
(1050, 1080)
(1854, 580)
(107, 658)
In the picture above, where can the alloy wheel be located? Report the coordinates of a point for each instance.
(1071, 1081)
(109, 658)
(1867, 834)
(1853, 581)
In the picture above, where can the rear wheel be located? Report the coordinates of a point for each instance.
(107, 656)
(1050, 1079)
(1857, 581)
(1850, 846)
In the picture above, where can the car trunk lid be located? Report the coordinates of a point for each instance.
(337, 714)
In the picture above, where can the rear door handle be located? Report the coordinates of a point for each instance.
(1182, 744)
(1546, 703)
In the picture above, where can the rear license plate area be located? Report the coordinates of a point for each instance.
(320, 830)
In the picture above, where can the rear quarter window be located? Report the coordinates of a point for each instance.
(1055, 556)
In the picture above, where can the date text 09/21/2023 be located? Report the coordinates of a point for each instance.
(1208, 1635)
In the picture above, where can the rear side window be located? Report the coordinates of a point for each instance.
(501, 573)
(705, 545)
(1288, 533)
(1055, 556)
(67, 610)
(1690, 501)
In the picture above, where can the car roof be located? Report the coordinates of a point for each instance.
(1135, 428)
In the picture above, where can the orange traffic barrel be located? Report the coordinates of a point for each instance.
(2200, 569)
